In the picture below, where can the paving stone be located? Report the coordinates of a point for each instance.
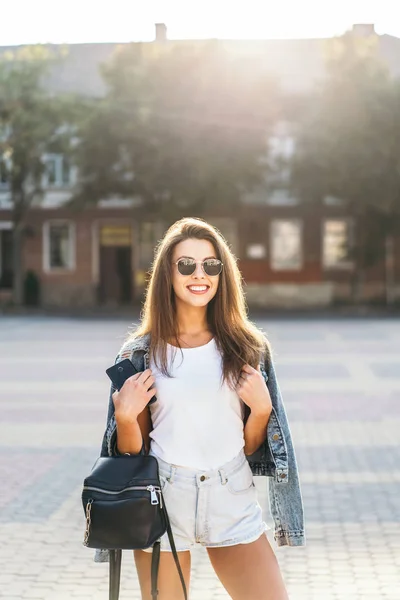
(341, 384)
(38, 593)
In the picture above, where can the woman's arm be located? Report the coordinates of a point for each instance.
(255, 431)
(254, 392)
(131, 435)
(128, 428)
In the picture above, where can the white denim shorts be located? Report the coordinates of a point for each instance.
(210, 508)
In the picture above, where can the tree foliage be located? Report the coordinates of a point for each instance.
(349, 145)
(32, 123)
(182, 125)
(349, 141)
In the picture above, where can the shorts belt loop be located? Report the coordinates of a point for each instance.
(223, 477)
(171, 474)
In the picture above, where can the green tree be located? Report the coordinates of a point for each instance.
(349, 148)
(32, 122)
(183, 126)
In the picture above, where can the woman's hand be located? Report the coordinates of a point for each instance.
(253, 390)
(133, 397)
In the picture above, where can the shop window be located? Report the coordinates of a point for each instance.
(286, 244)
(59, 246)
(337, 241)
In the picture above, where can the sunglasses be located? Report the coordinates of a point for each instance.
(210, 266)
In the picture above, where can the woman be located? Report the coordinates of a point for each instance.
(201, 405)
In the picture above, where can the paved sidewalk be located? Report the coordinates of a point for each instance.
(341, 385)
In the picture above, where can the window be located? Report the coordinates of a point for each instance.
(51, 170)
(286, 244)
(59, 246)
(337, 240)
(57, 171)
(65, 171)
(255, 251)
(281, 149)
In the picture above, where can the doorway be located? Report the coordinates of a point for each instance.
(115, 265)
(6, 259)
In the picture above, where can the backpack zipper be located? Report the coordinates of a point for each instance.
(150, 488)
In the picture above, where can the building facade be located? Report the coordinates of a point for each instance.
(290, 254)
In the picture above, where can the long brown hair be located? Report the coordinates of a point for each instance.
(238, 339)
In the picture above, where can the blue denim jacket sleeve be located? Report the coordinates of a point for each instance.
(109, 443)
(285, 497)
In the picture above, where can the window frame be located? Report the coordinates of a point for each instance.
(59, 165)
(300, 266)
(347, 264)
(47, 268)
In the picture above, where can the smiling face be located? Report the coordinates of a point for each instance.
(199, 288)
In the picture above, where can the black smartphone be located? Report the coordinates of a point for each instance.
(120, 372)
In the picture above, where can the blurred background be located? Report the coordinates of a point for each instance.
(280, 125)
(289, 146)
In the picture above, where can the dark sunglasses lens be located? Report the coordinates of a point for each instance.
(186, 267)
(212, 267)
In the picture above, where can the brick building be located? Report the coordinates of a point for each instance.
(289, 255)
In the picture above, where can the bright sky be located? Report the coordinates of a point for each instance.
(40, 21)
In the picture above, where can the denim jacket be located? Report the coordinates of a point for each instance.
(275, 459)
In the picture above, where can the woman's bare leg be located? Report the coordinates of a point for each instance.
(249, 571)
(169, 584)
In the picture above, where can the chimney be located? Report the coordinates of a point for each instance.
(364, 29)
(161, 32)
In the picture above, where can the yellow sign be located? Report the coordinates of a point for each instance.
(115, 235)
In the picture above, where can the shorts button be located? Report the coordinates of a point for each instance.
(203, 478)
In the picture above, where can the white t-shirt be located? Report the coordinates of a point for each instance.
(196, 422)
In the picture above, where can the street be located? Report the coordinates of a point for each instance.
(340, 381)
